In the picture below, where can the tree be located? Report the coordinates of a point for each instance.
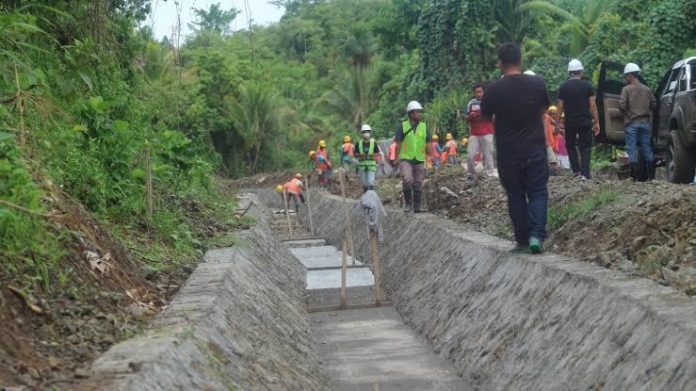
(215, 19)
(351, 99)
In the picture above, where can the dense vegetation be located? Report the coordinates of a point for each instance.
(86, 92)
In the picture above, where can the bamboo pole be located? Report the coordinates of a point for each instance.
(344, 270)
(376, 270)
(287, 213)
(148, 183)
(349, 225)
(309, 207)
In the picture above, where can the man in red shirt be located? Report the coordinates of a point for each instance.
(481, 139)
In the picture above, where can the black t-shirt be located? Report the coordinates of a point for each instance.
(575, 94)
(517, 102)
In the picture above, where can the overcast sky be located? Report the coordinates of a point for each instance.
(163, 17)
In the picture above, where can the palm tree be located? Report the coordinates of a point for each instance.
(351, 99)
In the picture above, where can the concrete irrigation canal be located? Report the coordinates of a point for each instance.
(458, 313)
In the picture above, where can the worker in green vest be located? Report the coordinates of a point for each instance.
(412, 141)
(368, 153)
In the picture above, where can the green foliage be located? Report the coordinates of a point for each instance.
(578, 209)
(214, 19)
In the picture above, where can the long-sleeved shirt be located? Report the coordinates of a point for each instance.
(637, 103)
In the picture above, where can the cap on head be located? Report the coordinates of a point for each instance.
(365, 128)
(631, 68)
(413, 106)
(575, 65)
(346, 139)
(322, 143)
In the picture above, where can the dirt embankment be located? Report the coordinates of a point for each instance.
(644, 229)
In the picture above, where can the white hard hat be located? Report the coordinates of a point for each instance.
(631, 68)
(413, 105)
(365, 128)
(575, 65)
(529, 72)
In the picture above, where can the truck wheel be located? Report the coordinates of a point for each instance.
(680, 161)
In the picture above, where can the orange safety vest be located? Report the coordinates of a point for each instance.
(451, 148)
(325, 164)
(391, 155)
(294, 186)
(436, 153)
(349, 149)
(550, 128)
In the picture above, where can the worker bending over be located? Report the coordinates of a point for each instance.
(293, 189)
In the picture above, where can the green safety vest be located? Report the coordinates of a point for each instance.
(367, 162)
(413, 144)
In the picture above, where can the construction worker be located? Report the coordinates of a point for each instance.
(392, 158)
(368, 153)
(559, 143)
(412, 142)
(293, 189)
(637, 104)
(576, 98)
(312, 156)
(323, 165)
(347, 152)
(517, 102)
(280, 189)
(481, 139)
(436, 151)
(549, 132)
(451, 149)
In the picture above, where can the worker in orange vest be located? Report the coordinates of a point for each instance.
(347, 152)
(436, 151)
(293, 189)
(391, 157)
(322, 165)
(451, 149)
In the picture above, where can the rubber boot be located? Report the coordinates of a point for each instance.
(633, 167)
(407, 201)
(649, 171)
(417, 201)
(365, 189)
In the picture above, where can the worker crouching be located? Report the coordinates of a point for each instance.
(367, 153)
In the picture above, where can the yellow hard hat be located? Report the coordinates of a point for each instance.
(465, 141)
(298, 176)
(553, 108)
(279, 188)
(346, 139)
(322, 143)
(312, 153)
(449, 136)
(436, 137)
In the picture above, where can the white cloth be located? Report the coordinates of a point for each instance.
(374, 211)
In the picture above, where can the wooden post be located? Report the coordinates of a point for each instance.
(349, 225)
(148, 183)
(287, 213)
(344, 270)
(309, 208)
(20, 107)
(376, 271)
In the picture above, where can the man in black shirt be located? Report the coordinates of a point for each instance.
(516, 103)
(576, 98)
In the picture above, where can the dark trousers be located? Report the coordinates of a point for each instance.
(525, 179)
(579, 140)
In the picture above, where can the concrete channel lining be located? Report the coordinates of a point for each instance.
(518, 321)
(239, 323)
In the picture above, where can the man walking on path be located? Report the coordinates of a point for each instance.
(481, 139)
(367, 152)
(412, 141)
(576, 98)
(637, 104)
(516, 104)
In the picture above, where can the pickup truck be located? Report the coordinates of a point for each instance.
(674, 118)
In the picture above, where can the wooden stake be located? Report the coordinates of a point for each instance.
(20, 107)
(148, 183)
(309, 208)
(344, 270)
(349, 225)
(376, 271)
(287, 213)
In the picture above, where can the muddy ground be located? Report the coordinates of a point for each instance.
(643, 229)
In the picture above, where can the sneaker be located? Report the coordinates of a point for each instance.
(536, 246)
(520, 249)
